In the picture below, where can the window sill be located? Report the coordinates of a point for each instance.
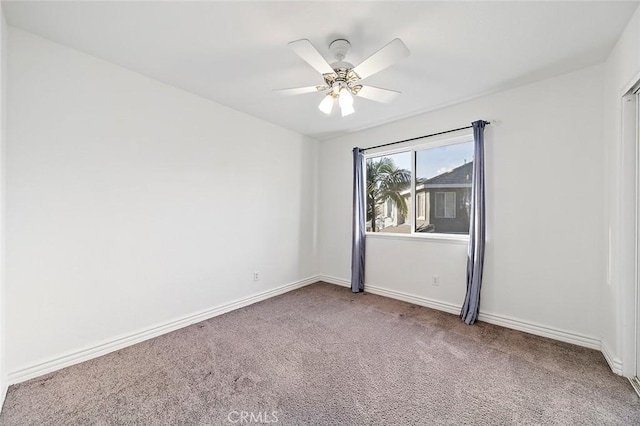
(438, 238)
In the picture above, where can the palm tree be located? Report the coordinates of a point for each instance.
(385, 182)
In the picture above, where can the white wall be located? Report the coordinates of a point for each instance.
(545, 182)
(3, 132)
(131, 203)
(622, 69)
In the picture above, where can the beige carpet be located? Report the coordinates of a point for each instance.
(324, 356)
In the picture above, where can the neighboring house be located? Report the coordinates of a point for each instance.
(444, 201)
(442, 204)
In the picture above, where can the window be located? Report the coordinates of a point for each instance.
(389, 193)
(437, 175)
(446, 205)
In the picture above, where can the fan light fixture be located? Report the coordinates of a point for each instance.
(346, 102)
(342, 81)
(326, 105)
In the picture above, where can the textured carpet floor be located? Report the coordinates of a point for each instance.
(321, 355)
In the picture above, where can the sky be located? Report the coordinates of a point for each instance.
(434, 161)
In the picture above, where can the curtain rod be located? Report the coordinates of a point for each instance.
(420, 137)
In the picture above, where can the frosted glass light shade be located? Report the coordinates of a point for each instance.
(347, 110)
(326, 105)
(346, 102)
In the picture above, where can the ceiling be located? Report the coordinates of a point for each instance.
(235, 53)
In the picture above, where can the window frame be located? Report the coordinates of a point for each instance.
(411, 147)
(421, 201)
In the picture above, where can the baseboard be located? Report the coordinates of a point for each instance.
(121, 342)
(3, 391)
(398, 295)
(541, 330)
(416, 300)
(635, 384)
(334, 280)
(501, 320)
(614, 363)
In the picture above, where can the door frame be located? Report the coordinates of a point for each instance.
(625, 225)
(634, 98)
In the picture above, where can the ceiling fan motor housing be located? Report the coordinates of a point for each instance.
(343, 78)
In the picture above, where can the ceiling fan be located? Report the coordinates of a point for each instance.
(342, 81)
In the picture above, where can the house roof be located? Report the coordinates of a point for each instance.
(460, 175)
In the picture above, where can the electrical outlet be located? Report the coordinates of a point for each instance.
(435, 280)
(256, 276)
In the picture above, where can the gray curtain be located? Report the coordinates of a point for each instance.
(475, 256)
(357, 247)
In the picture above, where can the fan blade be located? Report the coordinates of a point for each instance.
(377, 94)
(383, 58)
(310, 54)
(300, 90)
